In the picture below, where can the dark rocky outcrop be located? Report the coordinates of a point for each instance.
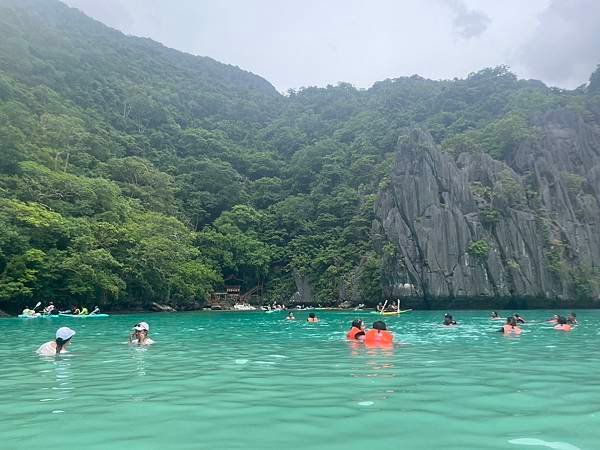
(472, 230)
(162, 308)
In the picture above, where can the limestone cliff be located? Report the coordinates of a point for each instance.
(473, 230)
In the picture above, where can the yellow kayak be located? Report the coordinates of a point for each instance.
(392, 313)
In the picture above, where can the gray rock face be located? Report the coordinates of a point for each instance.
(473, 230)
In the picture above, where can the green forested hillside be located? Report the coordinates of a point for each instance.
(132, 173)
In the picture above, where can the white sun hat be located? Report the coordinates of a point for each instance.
(64, 333)
(141, 327)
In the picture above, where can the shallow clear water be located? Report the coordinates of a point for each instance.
(257, 381)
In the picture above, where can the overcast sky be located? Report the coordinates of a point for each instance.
(295, 43)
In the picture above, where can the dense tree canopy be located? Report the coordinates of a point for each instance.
(132, 173)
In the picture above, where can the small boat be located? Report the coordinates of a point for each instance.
(395, 313)
(37, 316)
(83, 316)
(391, 313)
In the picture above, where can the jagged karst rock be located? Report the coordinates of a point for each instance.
(472, 228)
(162, 308)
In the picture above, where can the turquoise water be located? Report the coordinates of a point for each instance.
(257, 381)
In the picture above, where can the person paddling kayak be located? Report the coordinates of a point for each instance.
(59, 345)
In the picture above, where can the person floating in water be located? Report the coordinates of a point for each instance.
(378, 336)
(572, 319)
(290, 316)
(312, 318)
(510, 327)
(562, 325)
(518, 319)
(554, 319)
(357, 332)
(449, 320)
(140, 334)
(59, 345)
(495, 316)
(379, 307)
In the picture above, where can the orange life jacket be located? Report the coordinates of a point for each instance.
(378, 337)
(352, 333)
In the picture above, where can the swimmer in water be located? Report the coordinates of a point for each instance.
(495, 316)
(554, 319)
(290, 316)
(449, 320)
(59, 345)
(312, 318)
(562, 325)
(510, 327)
(519, 319)
(140, 334)
(572, 319)
(378, 335)
(357, 332)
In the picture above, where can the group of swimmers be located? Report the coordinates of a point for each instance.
(138, 336)
(378, 335)
(310, 319)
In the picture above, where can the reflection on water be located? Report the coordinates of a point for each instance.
(252, 380)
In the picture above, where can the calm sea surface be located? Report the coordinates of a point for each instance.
(257, 381)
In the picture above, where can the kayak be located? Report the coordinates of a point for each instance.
(83, 316)
(391, 313)
(37, 316)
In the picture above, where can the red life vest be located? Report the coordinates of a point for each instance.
(378, 337)
(352, 333)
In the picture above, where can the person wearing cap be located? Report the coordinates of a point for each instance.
(140, 334)
(59, 345)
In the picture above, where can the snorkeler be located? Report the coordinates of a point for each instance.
(519, 319)
(357, 332)
(140, 335)
(378, 335)
(510, 327)
(449, 320)
(312, 318)
(59, 345)
(290, 316)
(572, 319)
(495, 316)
